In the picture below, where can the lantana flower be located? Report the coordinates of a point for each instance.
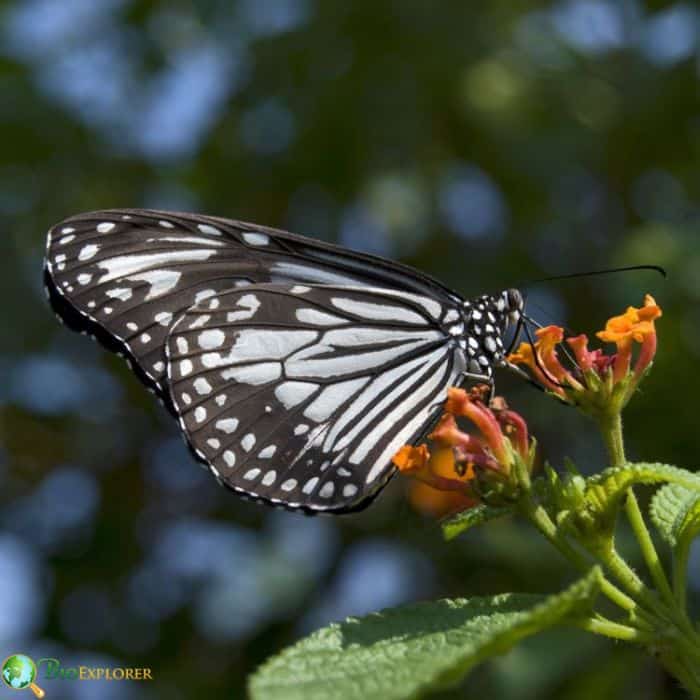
(596, 381)
(485, 463)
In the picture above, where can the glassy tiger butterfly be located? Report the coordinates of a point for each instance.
(294, 367)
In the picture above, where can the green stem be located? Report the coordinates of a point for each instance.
(540, 518)
(651, 557)
(683, 663)
(685, 675)
(680, 575)
(611, 428)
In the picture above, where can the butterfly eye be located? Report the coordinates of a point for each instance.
(515, 301)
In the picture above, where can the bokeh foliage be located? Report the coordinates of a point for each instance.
(486, 143)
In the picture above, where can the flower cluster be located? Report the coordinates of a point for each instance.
(467, 467)
(596, 381)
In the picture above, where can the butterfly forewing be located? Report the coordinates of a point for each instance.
(301, 394)
(126, 276)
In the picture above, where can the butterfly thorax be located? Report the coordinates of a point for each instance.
(486, 321)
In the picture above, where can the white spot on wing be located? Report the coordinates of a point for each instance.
(163, 317)
(125, 265)
(200, 321)
(269, 478)
(211, 230)
(267, 452)
(319, 318)
(88, 252)
(349, 490)
(229, 458)
(290, 394)
(211, 339)
(378, 312)
(185, 367)
(256, 238)
(227, 425)
(327, 490)
(204, 294)
(311, 274)
(254, 375)
(202, 386)
(105, 227)
(248, 442)
(310, 485)
(160, 281)
(250, 304)
(121, 293)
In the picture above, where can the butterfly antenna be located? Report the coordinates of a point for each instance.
(607, 271)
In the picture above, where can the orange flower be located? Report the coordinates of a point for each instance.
(581, 384)
(436, 503)
(634, 326)
(544, 361)
(412, 459)
(459, 462)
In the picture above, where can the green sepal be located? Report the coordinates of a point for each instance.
(405, 652)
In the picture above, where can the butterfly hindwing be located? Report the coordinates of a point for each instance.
(125, 276)
(301, 394)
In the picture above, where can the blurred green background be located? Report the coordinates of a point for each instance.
(485, 143)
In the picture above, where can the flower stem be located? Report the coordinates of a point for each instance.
(611, 428)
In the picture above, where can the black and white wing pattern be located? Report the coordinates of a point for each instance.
(301, 395)
(125, 276)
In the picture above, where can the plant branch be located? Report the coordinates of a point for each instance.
(537, 515)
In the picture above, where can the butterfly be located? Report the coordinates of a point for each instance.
(295, 368)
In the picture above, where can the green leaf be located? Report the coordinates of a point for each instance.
(471, 517)
(404, 652)
(675, 511)
(605, 490)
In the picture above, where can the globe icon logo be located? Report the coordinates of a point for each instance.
(19, 672)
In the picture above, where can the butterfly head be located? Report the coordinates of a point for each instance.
(487, 320)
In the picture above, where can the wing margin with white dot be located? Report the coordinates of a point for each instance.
(300, 395)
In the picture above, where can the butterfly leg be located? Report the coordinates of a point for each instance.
(472, 378)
